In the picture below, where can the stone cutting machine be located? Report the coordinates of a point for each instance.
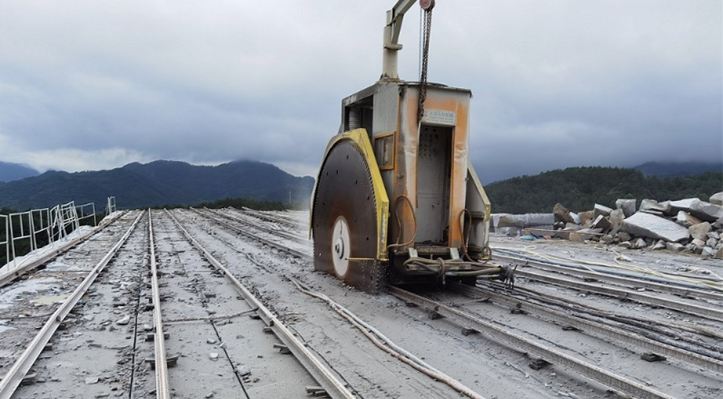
(396, 198)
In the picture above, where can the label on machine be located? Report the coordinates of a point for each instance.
(439, 117)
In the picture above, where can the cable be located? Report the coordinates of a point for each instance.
(401, 226)
(388, 345)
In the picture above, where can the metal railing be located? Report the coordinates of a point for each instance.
(46, 224)
(43, 218)
(110, 206)
(6, 234)
(81, 212)
(25, 233)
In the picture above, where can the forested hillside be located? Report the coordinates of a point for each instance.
(159, 183)
(580, 188)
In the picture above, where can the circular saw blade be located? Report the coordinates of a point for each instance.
(345, 190)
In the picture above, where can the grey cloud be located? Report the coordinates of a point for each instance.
(558, 83)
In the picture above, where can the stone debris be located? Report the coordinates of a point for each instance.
(700, 209)
(562, 214)
(686, 219)
(646, 225)
(699, 231)
(601, 222)
(601, 210)
(688, 225)
(629, 206)
(616, 220)
(652, 206)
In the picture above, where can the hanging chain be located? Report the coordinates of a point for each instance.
(427, 29)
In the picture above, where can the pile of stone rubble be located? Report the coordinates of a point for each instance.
(688, 225)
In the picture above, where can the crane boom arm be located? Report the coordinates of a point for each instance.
(395, 16)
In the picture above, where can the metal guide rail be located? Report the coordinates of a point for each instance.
(279, 233)
(617, 336)
(659, 285)
(269, 218)
(324, 375)
(520, 343)
(162, 388)
(280, 247)
(609, 333)
(22, 365)
(709, 312)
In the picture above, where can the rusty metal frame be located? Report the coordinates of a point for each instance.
(393, 162)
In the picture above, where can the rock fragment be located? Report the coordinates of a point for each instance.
(716, 199)
(627, 205)
(562, 214)
(643, 224)
(708, 253)
(700, 231)
(700, 209)
(686, 219)
(648, 205)
(601, 222)
(674, 246)
(640, 244)
(617, 217)
(586, 218)
(601, 210)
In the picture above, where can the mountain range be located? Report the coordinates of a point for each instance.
(14, 171)
(162, 183)
(158, 183)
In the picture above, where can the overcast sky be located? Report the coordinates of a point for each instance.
(90, 84)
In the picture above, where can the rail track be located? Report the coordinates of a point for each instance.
(160, 361)
(621, 278)
(710, 360)
(328, 380)
(12, 270)
(22, 365)
(276, 232)
(179, 265)
(270, 218)
(712, 312)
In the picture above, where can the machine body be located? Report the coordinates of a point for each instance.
(397, 199)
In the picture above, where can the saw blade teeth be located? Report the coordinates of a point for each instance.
(345, 189)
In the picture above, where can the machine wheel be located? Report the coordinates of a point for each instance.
(344, 220)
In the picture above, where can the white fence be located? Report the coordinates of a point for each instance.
(110, 206)
(6, 225)
(53, 224)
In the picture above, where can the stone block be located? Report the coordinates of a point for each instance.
(702, 210)
(716, 199)
(642, 224)
(601, 210)
(627, 205)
